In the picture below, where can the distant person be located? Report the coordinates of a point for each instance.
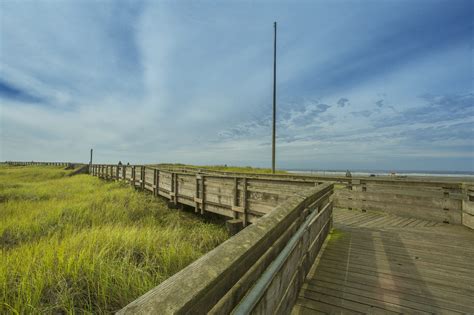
(348, 173)
(120, 163)
(128, 163)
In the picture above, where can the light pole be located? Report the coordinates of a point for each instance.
(274, 96)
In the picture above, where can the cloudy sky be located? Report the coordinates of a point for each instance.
(361, 84)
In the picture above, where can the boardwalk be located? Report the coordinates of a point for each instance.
(381, 264)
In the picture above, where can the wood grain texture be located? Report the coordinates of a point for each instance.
(377, 263)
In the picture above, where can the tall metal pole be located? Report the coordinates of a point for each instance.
(274, 96)
(90, 162)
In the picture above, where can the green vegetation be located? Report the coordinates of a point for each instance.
(225, 168)
(82, 245)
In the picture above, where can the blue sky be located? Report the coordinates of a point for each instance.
(361, 84)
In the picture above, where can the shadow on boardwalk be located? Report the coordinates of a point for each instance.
(401, 269)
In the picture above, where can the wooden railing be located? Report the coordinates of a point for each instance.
(239, 196)
(435, 200)
(261, 269)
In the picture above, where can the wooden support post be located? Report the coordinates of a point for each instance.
(173, 190)
(142, 175)
(235, 197)
(244, 201)
(118, 172)
(176, 188)
(155, 186)
(203, 192)
(133, 176)
(234, 226)
(157, 182)
(197, 200)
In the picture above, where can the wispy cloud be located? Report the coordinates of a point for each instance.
(376, 86)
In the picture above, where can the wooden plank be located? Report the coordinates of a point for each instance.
(408, 197)
(418, 302)
(468, 220)
(468, 207)
(322, 306)
(424, 213)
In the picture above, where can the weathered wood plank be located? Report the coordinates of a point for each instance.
(398, 269)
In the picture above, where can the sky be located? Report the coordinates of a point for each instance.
(384, 85)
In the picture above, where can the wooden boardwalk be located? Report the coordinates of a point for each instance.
(384, 264)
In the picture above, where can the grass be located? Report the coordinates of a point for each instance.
(82, 245)
(225, 168)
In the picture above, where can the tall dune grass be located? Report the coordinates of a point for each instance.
(82, 245)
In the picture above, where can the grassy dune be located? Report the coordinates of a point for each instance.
(82, 245)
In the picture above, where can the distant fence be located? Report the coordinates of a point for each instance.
(40, 163)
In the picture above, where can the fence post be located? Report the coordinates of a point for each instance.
(235, 197)
(197, 200)
(142, 175)
(156, 179)
(244, 201)
(133, 176)
(203, 192)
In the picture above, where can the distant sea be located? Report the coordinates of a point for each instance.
(384, 173)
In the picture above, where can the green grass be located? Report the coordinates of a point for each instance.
(225, 168)
(82, 245)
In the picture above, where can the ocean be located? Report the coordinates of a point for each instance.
(403, 173)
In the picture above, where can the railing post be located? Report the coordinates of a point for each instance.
(244, 200)
(142, 175)
(197, 200)
(235, 197)
(133, 176)
(203, 193)
(155, 182)
(173, 189)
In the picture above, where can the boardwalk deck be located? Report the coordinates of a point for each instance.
(384, 264)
